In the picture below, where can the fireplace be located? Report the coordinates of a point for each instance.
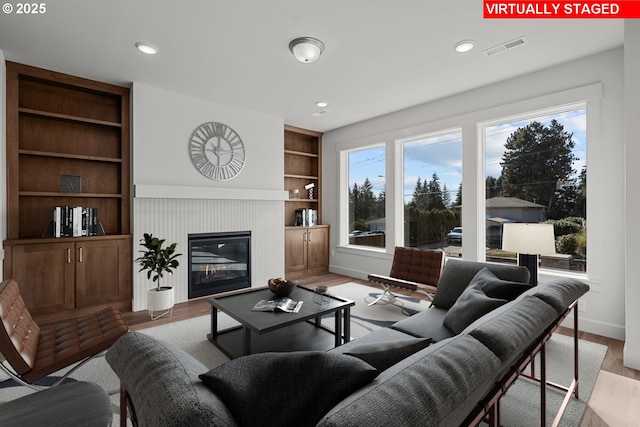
(219, 262)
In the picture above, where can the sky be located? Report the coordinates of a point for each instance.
(442, 154)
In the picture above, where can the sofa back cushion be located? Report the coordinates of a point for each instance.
(163, 383)
(560, 293)
(438, 386)
(457, 275)
(510, 329)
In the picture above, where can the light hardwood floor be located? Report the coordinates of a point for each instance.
(615, 400)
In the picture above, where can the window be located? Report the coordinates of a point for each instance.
(367, 184)
(536, 171)
(432, 191)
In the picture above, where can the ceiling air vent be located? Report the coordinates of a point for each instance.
(505, 46)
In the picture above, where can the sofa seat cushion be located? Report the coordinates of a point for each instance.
(384, 354)
(163, 383)
(437, 386)
(472, 304)
(426, 324)
(286, 389)
(457, 275)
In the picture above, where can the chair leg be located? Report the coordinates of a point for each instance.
(19, 380)
(385, 293)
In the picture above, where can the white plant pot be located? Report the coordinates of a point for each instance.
(160, 301)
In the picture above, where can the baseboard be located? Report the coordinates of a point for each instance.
(348, 272)
(596, 327)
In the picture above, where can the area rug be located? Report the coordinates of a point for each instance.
(521, 405)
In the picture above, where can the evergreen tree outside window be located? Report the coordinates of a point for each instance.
(367, 184)
(536, 171)
(432, 177)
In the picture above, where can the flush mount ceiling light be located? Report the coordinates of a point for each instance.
(306, 49)
(321, 104)
(147, 48)
(464, 46)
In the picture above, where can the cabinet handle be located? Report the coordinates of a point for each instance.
(80, 253)
(68, 255)
(308, 236)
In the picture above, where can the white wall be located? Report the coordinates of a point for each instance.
(162, 125)
(172, 199)
(632, 205)
(602, 73)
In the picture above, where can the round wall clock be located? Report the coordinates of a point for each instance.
(217, 151)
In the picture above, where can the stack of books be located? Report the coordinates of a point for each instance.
(74, 222)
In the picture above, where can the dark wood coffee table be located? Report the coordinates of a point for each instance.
(276, 331)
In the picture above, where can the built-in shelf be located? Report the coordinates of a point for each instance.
(78, 195)
(287, 175)
(68, 117)
(300, 153)
(69, 156)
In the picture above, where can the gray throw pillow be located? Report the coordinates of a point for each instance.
(382, 355)
(457, 275)
(472, 304)
(286, 389)
(495, 287)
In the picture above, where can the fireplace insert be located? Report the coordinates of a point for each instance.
(219, 262)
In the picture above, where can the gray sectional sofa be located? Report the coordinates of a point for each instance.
(440, 367)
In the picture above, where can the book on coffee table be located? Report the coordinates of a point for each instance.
(278, 304)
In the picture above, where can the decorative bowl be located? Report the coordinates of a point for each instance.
(282, 287)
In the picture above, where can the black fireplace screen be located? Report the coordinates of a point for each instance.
(219, 262)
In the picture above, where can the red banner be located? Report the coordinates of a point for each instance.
(561, 9)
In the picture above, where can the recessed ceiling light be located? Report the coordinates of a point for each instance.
(321, 104)
(147, 48)
(464, 46)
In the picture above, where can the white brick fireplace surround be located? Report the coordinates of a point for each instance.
(172, 214)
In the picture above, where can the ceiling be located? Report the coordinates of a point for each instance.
(380, 56)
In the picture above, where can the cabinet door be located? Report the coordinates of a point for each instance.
(45, 274)
(295, 249)
(103, 272)
(318, 248)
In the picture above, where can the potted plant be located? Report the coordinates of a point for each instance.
(157, 260)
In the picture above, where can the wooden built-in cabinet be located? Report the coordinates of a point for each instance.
(306, 248)
(58, 125)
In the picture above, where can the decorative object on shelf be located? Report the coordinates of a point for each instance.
(309, 188)
(217, 151)
(157, 260)
(529, 241)
(70, 183)
(295, 194)
(282, 287)
(306, 49)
